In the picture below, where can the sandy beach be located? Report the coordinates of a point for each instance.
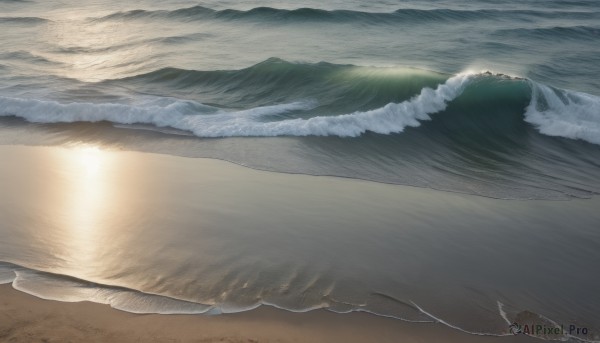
(24, 318)
(149, 233)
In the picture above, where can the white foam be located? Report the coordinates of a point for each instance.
(564, 113)
(7, 274)
(204, 121)
(503, 313)
(441, 321)
(69, 290)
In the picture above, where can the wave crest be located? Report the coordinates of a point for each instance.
(552, 111)
(207, 121)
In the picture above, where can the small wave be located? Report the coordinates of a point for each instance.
(553, 33)
(269, 14)
(25, 56)
(23, 20)
(196, 11)
(168, 40)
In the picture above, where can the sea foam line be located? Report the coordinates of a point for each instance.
(68, 289)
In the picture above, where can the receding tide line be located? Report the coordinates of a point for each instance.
(65, 288)
(552, 111)
(439, 320)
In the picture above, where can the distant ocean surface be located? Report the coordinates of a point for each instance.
(499, 99)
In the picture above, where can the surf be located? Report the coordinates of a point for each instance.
(552, 111)
(480, 133)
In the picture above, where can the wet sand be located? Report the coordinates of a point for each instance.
(24, 318)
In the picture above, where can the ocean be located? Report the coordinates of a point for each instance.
(487, 101)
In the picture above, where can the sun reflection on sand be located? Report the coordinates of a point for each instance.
(90, 160)
(83, 204)
(86, 200)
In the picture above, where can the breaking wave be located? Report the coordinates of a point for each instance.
(477, 133)
(552, 111)
(206, 121)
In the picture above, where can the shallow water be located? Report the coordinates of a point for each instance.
(147, 233)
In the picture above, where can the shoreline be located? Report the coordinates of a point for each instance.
(150, 141)
(26, 318)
